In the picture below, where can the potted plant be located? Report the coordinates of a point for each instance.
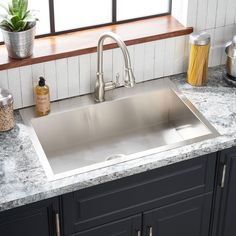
(18, 28)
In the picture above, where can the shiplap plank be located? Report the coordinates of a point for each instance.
(230, 12)
(62, 78)
(131, 54)
(218, 48)
(221, 13)
(27, 87)
(3, 79)
(211, 14)
(37, 71)
(51, 78)
(169, 57)
(139, 62)
(192, 13)
(15, 86)
(159, 58)
(73, 76)
(179, 55)
(93, 71)
(107, 66)
(201, 15)
(149, 60)
(84, 62)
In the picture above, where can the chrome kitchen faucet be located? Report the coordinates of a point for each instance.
(101, 86)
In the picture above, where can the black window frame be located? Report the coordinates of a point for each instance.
(114, 21)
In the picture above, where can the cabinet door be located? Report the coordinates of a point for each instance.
(36, 219)
(185, 218)
(100, 204)
(130, 226)
(225, 207)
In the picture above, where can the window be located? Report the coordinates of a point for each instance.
(2, 12)
(81, 13)
(59, 16)
(43, 25)
(130, 9)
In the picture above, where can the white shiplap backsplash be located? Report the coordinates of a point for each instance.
(217, 17)
(76, 75)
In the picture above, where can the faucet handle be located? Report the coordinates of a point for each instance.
(110, 85)
(117, 79)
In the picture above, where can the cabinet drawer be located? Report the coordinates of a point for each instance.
(123, 227)
(128, 196)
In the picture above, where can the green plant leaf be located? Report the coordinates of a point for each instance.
(5, 24)
(30, 19)
(24, 7)
(14, 22)
(15, 4)
(26, 14)
(10, 9)
(20, 25)
(18, 17)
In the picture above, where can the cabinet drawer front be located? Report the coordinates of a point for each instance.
(125, 227)
(113, 200)
(184, 218)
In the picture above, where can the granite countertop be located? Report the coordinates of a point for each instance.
(23, 180)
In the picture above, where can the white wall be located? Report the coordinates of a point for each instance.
(76, 75)
(217, 17)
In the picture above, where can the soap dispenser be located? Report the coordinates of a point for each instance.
(42, 98)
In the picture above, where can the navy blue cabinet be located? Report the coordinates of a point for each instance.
(37, 219)
(184, 218)
(225, 203)
(170, 190)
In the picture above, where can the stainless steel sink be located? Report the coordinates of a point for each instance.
(152, 119)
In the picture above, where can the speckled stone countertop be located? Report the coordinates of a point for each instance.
(23, 180)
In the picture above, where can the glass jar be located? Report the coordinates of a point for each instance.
(7, 121)
(198, 61)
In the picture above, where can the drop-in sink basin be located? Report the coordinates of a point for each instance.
(153, 119)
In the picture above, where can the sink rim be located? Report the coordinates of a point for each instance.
(28, 114)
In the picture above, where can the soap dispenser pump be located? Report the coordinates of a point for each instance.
(42, 98)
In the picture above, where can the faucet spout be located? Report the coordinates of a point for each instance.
(101, 86)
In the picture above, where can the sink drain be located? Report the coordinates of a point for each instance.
(114, 156)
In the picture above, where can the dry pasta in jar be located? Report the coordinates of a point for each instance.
(198, 61)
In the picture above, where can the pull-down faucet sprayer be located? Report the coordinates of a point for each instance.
(101, 86)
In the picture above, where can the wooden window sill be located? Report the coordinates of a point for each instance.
(83, 42)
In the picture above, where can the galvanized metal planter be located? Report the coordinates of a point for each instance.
(19, 44)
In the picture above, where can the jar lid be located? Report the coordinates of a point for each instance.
(201, 39)
(231, 48)
(5, 97)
